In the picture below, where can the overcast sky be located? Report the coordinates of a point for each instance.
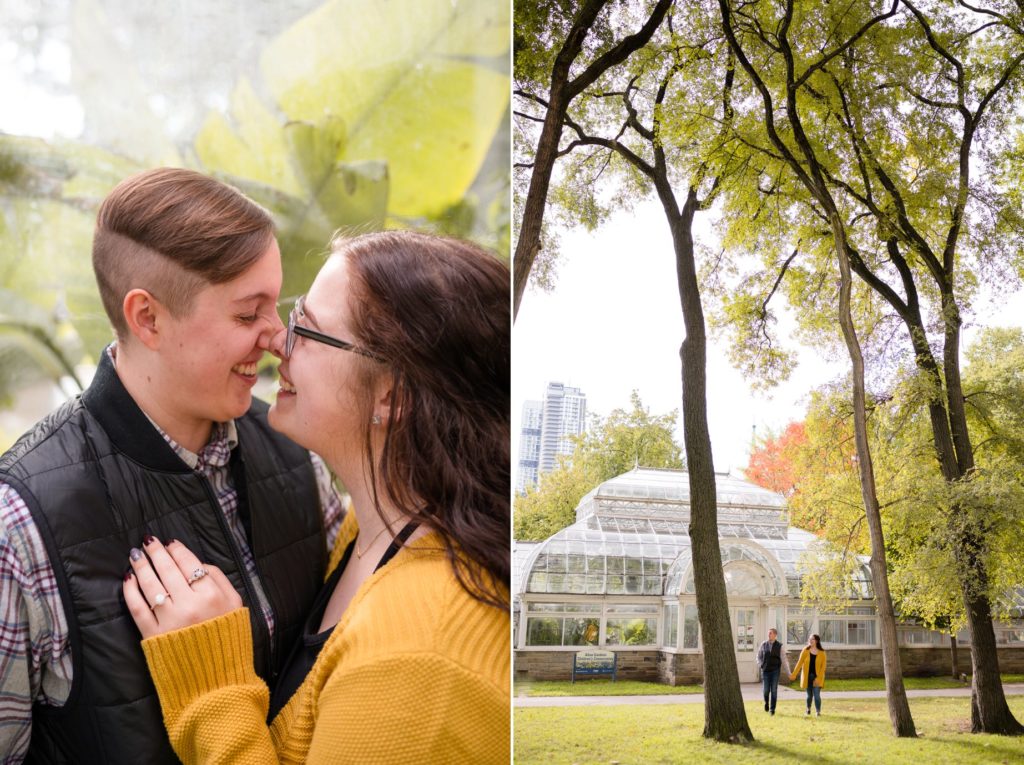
(614, 323)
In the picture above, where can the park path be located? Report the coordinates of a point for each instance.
(751, 692)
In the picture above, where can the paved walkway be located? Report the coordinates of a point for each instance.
(751, 692)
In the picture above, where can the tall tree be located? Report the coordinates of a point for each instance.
(565, 29)
(880, 129)
(801, 157)
(664, 126)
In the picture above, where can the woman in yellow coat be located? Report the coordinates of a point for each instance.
(811, 666)
(395, 370)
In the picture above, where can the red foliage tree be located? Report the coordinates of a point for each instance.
(773, 460)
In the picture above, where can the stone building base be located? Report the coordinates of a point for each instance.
(688, 668)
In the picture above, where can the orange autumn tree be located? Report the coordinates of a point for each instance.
(773, 461)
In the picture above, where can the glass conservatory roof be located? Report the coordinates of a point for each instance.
(631, 538)
(655, 492)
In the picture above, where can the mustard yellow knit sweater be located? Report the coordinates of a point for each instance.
(416, 671)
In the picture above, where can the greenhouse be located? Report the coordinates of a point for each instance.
(621, 578)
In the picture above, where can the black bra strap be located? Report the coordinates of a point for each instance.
(397, 543)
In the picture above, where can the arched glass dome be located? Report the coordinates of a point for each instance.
(759, 563)
(631, 537)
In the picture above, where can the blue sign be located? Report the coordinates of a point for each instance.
(589, 663)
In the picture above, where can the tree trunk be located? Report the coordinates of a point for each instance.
(528, 244)
(954, 656)
(989, 710)
(896, 694)
(725, 718)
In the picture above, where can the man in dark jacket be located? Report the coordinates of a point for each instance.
(167, 441)
(771, 658)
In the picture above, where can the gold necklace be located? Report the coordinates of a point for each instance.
(360, 554)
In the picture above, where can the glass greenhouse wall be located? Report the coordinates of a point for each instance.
(621, 577)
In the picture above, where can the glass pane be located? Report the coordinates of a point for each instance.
(671, 625)
(832, 631)
(742, 581)
(798, 631)
(543, 631)
(691, 627)
(538, 582)
(631, 631)
(631, 608)
(581, 631)
(861, 632)
(744, 621)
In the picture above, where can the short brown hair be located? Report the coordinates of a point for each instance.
(171, 231)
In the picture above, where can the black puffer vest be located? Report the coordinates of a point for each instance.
(97, 477)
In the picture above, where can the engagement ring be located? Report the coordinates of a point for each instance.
(198, 574)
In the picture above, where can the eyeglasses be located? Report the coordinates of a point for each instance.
(295, 328)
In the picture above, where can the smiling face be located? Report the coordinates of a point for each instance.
(209, 356)
(323, 403)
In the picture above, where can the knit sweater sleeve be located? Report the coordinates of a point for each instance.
(214, 704)
(414, 707)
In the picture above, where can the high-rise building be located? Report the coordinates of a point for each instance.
(547, 430)
(529, 445)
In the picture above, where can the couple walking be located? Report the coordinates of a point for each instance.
(771, 658)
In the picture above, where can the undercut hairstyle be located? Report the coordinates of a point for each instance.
(171, 232)
(436, 310)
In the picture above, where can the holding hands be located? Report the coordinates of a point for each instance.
(169, 588)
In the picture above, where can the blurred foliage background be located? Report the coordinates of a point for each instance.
(348, 114)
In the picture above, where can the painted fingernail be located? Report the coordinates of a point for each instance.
(171, 541)
(148, 539)
(135, 553)
(127, 575)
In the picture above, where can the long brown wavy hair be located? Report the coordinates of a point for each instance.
(436, 310)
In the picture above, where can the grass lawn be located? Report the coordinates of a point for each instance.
(600, 686)
(850, 731)
(603, 686)
(910, 683)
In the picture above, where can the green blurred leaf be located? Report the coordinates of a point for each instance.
(420, 92)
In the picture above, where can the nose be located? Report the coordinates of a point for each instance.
(277, 343)
(272, 328)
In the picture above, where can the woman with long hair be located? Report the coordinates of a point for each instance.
(395, 369)
(811, 666)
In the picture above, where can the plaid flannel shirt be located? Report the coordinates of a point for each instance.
(35, 655)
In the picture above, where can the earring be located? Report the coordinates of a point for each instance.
(375, 419)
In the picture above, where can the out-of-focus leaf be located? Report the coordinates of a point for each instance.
(315, 148)
(48, 197)
(257, 151)
(419, 92)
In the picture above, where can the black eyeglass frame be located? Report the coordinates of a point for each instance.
(296, 329)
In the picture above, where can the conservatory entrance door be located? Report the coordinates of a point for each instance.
(745, 642)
